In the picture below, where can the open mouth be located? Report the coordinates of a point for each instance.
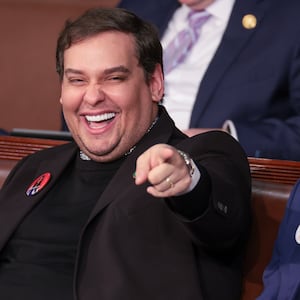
(99, 121)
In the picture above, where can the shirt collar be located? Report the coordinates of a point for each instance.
(219, 9)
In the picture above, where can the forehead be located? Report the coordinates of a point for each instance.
(104, 47)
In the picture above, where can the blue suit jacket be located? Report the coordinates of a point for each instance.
(282, 275)
(254, 77)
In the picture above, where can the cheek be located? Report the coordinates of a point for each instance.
(69, 99)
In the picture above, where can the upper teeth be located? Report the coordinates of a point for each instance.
(99, 118)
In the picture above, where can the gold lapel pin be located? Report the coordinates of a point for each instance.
(249, 21)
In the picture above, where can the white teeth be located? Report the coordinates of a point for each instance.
(99, 118)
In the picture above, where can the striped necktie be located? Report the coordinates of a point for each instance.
(178, 49)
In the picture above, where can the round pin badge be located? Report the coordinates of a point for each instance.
(249, 21)
(38, 184)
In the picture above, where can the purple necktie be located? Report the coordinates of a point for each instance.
(177, 50)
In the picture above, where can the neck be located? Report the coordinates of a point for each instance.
(200, 5)
(83, 156)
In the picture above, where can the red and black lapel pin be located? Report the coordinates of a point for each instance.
(38, 184)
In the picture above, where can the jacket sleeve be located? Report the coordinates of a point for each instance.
(226, 220)
(274, 133)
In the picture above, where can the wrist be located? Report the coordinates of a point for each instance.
(188, 162)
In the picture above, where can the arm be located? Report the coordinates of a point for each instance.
(223, 217)
(274, 131)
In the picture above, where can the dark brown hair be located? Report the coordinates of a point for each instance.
(97, 20)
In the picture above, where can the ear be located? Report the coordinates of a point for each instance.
(60, 100)
(157, 84)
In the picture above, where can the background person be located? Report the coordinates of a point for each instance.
(281, 277)
(243, 74)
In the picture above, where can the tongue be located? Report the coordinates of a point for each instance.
(97, 125)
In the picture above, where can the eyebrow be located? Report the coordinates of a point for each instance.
(121, 68)
(67, 71)
(108, 71)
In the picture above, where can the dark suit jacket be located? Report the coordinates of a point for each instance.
(134, 246)
(254, 77)
(282, 275)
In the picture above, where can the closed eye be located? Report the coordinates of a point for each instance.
(76, 81)
(117, 78)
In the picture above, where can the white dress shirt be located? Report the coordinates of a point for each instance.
(182, 83)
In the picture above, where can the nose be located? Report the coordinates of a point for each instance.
(93, 94)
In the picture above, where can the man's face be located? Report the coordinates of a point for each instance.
(107, 104)
(196, 4)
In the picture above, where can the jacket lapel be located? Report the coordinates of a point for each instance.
(15, 204)
(233, 42)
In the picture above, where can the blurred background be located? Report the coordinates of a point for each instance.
(29, 85)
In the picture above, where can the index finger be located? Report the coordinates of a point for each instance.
(150, 159)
